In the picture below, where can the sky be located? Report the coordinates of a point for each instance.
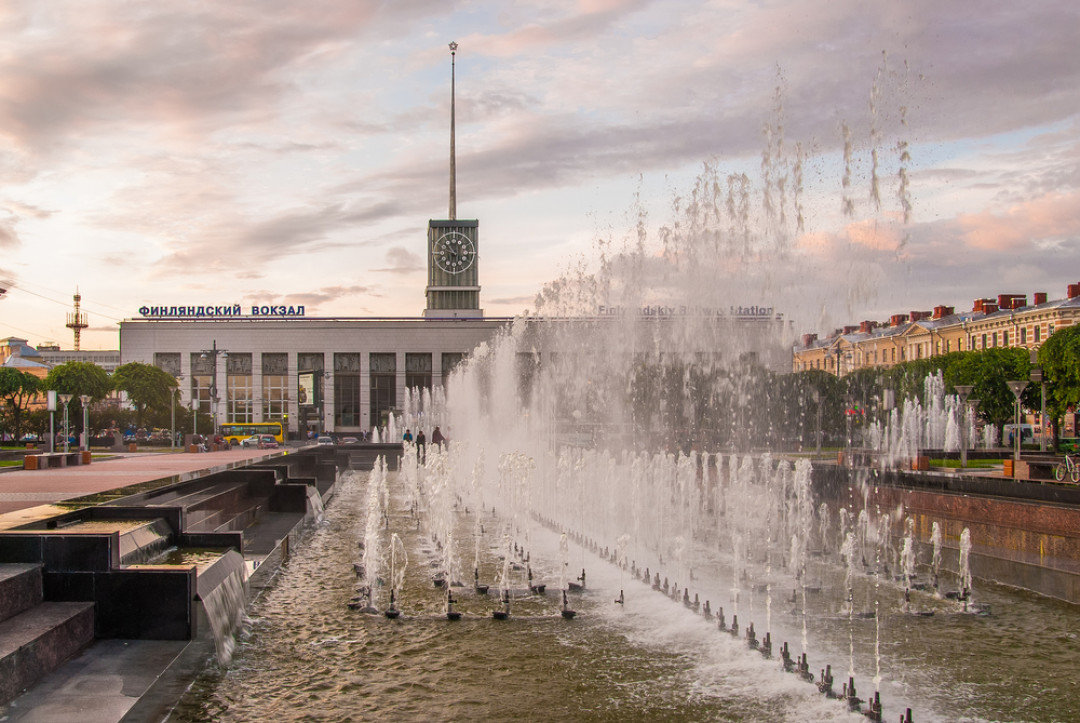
(291, 153)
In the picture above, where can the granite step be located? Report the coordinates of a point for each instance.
(39, 640)
(20, 588)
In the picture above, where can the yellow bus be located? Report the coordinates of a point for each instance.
(234, 434)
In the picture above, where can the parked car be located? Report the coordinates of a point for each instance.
(267, 441)
(327, 441)
(250, 441)
(350, 440)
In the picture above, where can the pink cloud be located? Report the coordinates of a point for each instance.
(1047, 218)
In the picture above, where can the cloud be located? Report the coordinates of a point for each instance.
(1039, 224)
(8, 238)
(401, 261)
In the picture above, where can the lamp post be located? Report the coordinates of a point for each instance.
(51, 396)
(173, 394)
(212, 354)
(85, 399)
(1037, 378)
(1017, 388)
(973, 405)
(816, 396)
(963, 391)
(65, 399)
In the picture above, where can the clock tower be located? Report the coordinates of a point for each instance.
(453, 288)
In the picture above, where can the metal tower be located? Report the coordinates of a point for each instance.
(76, 320)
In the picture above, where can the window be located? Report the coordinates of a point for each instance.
(347, 389)
(202, 380)
(450, 360)
(383, 385)
(347, 400)
(275, 386)
(417, 371)
(1037, 330)
(984, 341)
(1004, 338)
(239, 399)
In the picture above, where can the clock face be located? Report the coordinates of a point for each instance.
(454, 252)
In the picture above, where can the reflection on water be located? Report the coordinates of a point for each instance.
(307, 657)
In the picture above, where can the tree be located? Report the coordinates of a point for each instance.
(17, 390)
(147, 387)
(1059, 358)
(987, 371)
(79, 378)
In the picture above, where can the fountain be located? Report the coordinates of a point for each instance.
(639, 414)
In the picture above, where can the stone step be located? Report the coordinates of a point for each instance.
(39, 640)
(20, 588)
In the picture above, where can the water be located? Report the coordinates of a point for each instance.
(307, 657)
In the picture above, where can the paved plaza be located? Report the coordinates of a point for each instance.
(22, 490)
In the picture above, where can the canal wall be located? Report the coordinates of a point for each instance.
(1025, 535)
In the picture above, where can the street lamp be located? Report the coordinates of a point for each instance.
(65, 399)
(212, 354)
(815, 394)
(1017, 388)
(963, 391)
(1038, 378)
(173, 394)
(85, 399)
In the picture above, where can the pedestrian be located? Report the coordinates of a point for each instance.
(407, 437)
(421, 442)
(437, 436)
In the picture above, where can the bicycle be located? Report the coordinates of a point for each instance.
(1067, 467)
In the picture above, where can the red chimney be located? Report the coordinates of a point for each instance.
(808, 339)
(897, 319)
(1040, 298)
(989, 307)
(941, 312)
(1012, 301)
(1073, 291)
(866, 327)
(850, 329)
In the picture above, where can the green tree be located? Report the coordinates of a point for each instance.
(78, 378)
(17, 390)
(146, 386)
(987, 372)
(1059, 358)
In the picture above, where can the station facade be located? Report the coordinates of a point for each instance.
(337, 375)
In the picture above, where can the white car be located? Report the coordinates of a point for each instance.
(250, 441)
(327, 441)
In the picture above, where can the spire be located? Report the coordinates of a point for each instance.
(453, 161)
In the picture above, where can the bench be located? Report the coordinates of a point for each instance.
(55, 460)
(1037, 468)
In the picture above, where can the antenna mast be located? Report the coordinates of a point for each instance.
(453, 160)
(76, 320)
